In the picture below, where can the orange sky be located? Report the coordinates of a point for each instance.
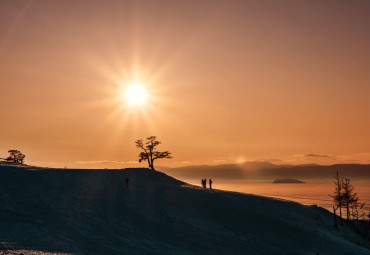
(285, 81)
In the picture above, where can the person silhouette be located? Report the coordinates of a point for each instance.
(210, 183)
(127, 180)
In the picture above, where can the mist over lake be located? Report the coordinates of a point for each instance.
(304, 193)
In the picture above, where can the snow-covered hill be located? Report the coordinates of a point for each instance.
(57, 211)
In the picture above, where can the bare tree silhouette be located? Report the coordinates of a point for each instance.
(349, 196)
(149, 152)
(15, 156)
(338, 195)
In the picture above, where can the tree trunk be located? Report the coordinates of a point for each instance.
(348, 216)
(150, 166)
(150, 159)
(335, 218)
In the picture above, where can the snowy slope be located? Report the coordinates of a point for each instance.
(57, 211)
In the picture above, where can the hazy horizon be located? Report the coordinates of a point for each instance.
(135, 164)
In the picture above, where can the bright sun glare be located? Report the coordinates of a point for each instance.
(136, 95)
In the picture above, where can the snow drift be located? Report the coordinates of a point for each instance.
(57, 211)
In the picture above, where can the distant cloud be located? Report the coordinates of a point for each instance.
(85, 162)
(132, 162)
(103, 162)
(355, 158)
(270, 160)
(352, 160)
(96, 162)
(43, 163)
(219, 161)
(311, 155)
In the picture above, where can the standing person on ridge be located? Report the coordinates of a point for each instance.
(210, 183)
(127, 180)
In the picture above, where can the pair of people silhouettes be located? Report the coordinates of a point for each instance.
(204, 183)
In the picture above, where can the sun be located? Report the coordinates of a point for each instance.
(136, 95)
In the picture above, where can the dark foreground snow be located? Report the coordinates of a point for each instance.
(55, 211)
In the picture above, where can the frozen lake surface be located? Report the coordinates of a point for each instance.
(306, 193)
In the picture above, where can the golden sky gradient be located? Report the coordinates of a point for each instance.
(227, 81)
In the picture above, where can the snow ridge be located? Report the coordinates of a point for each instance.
(57, 211)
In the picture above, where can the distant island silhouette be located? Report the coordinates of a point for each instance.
(268, 171)
(287, 180)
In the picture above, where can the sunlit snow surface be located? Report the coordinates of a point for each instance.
(57, 211)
